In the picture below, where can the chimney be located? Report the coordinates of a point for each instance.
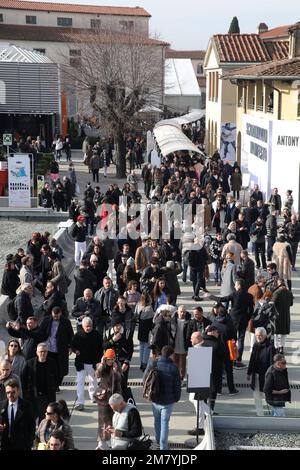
(294, 41)
(262, 28)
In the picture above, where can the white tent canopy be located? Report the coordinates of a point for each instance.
(16, 54)
(180, 78)
(170, 138)
(169, 135)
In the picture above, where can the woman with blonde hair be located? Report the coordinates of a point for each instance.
(228, 275)
(109, 373)
(282, 256)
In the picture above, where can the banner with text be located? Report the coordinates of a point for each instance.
(256, 151)
(286, 158)
(19, 181)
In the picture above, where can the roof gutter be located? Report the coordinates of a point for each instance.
(261, 77)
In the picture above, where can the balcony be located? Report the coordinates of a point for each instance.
(270, 109)
(259, 108)
(251, 106)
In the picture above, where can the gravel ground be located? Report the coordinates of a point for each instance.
(15, 234)
(225, 441)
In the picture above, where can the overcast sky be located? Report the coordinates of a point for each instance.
(188, 24)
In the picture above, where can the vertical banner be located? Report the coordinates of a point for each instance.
(19, 181)
(228, 141)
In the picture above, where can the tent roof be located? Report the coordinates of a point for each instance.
(170, 138)
(16, 54)
(180, 78)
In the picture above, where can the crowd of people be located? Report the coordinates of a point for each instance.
(126, 284)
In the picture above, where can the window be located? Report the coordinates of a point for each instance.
(1, 17)
(75, 53)
(41, 51)
(95, 23)
(199, 69)
(75, 57)
(64, 22)
(30, 19)
(126, 25)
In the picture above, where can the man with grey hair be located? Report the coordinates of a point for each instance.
(127, 424)
(6, 374)
(22, 303)
(232, 247)
(39, 381)
(260, 360)
(87, 345)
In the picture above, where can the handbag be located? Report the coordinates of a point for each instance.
(233, 352)
(102, 395)
(253, 238)
(140, 444)
(77, 188)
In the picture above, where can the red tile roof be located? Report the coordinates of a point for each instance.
(172, 54)
(68, 8)
(286, 68)
(55, 34)
(241, 48)
(279, 32)
(277, 49)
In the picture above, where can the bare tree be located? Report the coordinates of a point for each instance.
(118, 74)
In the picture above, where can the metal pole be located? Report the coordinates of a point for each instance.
(197, 424)
(7, 150)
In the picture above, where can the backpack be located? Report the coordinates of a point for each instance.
(151, 388)
(11, 310)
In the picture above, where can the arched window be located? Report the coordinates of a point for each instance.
(2, 92)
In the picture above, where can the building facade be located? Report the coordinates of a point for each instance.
(268, 120)
(225, 53)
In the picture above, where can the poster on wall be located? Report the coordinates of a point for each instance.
(256, 151)
(286, 159)
(19, 181)
(228, 141)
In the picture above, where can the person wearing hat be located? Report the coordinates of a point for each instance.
(109, 377)
(79, 235)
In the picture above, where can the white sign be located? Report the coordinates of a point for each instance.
(155, 159)
(286, 158)
(7, 139)
(199, 367)
(19, 181)
(256, 151)
(228, 141)
(150, 145)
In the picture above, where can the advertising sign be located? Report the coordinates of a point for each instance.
(7, 139)
(19, 181)
(286, 158)
(256, 151)
(228, 141)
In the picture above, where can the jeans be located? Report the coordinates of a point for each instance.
(294, 246)
(162, 414)
(95, 176)
(88, 370)
(198, 281)
(260, 249)
(271, 241)
(277, 411)
(217, 270)
(144, 352)
(241, 332)
(80, 249)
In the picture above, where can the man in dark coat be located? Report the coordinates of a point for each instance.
(56, 330)
(197, 323)
(260, 360)
(241, 312)
(212, 340)
(29, 340)
(86, 306)
(162, 333)
(53, 298)
(22, 303)
(247, 269)
(197, 259)
(283, 301)
(84, 279)
(277, 387)
(107, 297)
(87, 345)
(39, 381)
(17, 420)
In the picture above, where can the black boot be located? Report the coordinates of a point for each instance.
(289, 283)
